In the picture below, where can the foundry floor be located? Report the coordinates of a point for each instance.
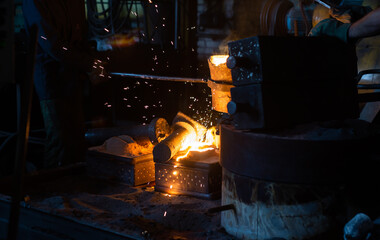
(138, 212)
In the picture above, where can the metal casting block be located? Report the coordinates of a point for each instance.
(132, 171)
(198, 176)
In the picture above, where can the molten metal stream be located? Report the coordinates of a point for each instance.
(208, 143)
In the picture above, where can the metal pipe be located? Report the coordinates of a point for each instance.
(160, 78)
(176, 24)
(169, 147)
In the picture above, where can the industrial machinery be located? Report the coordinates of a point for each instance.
(293, 138)
(282, 81)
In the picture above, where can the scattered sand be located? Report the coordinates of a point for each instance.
(136, 211)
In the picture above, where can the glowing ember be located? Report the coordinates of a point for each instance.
(122, 40)
(200, 145)
(218, 59)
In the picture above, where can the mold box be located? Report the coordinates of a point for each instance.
(198, 175)
(132, 171)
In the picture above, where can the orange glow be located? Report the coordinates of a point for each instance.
(122, 40)
(218, 59)
(218, 68)
(175, 173)
(208, 143)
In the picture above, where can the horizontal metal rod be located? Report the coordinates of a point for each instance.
(222, 208)
(368, 86)
(160, 78)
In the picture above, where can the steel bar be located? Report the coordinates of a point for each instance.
(160, 78)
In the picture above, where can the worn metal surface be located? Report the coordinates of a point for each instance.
(282, 81)
(303, 159)
(132, 171)
(267, 210)
(193, 177)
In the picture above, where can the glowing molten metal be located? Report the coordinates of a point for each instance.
(218, 59)
(198, 145)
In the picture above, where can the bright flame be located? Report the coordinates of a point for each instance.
(208, 143)
(218, 59)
